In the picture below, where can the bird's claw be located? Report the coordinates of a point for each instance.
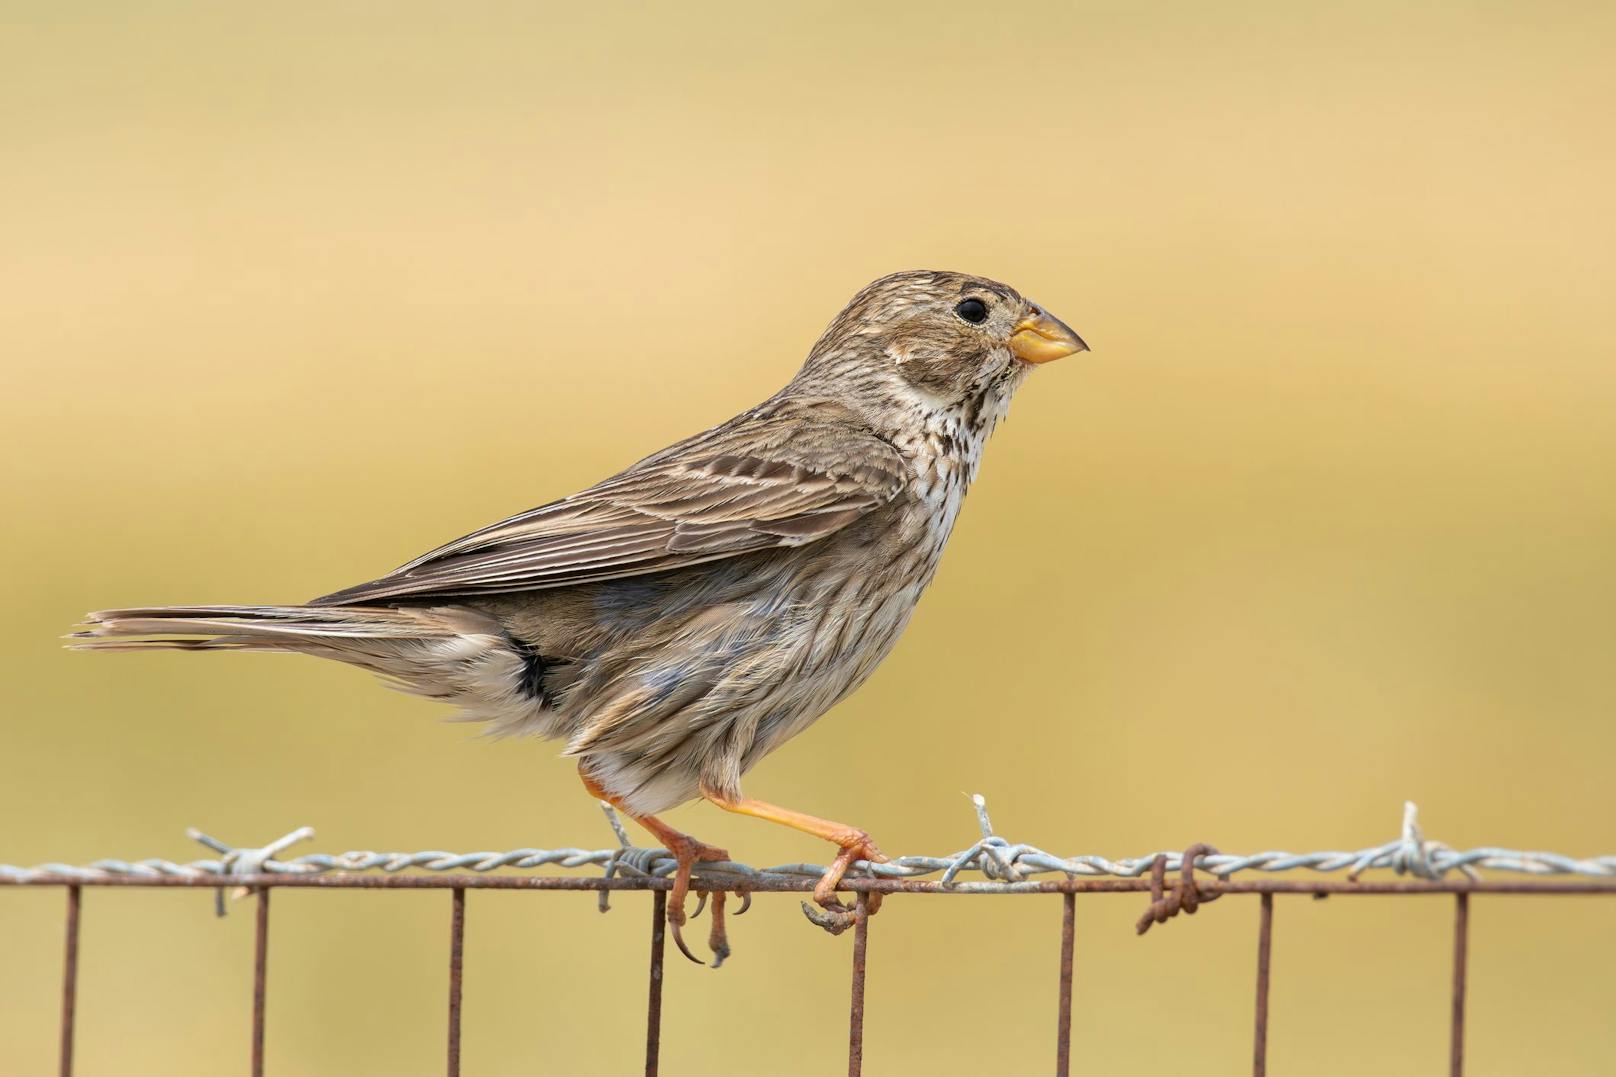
(833, 914)
(678, 937)
(836, 916)
(834, 920)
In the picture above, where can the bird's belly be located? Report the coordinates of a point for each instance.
(697, 700)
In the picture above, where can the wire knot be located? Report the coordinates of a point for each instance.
(627, 855)
(993, 856)
(1185, 896)
(249, 860)
(1412, 856)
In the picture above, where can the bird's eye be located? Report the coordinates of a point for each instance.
(972, 310)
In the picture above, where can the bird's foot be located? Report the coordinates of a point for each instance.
(833, 915)
(687, 853)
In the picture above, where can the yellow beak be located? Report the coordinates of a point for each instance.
(1040, 337)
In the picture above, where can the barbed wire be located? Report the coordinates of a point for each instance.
(997, 859)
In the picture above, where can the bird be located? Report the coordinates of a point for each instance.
(678, 621)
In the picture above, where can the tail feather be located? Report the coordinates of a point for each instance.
(453, 654)
(261, 627)
(290, 628)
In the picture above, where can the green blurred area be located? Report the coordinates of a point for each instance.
(1324, 522)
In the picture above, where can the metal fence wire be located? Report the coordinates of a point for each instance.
(991, 866)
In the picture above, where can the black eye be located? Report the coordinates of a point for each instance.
(972, 310)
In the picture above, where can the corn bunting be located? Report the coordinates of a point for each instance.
(685, 617)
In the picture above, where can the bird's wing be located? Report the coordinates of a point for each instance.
(752, 484)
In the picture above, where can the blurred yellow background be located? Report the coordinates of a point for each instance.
(1324, 522)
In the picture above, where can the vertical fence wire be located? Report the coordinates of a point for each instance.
(1265, 942)
(855, 1023)
(1461, 957)
(653, 1004)
(260, 971)
(70, 981)
(457, 948)
(1063, 1018)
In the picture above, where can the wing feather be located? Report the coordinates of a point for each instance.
(753, 484)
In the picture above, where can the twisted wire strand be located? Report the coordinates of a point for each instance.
(995, 858)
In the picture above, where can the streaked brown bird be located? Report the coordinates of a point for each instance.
(682, 619)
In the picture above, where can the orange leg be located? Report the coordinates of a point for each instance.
(687, 852)
(854, 844)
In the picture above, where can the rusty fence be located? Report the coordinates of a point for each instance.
(1169, 879)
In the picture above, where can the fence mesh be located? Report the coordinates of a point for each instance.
(990, 865)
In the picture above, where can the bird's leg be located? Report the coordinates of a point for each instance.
(854, 844)
(687, 852)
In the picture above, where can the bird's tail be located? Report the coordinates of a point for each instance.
(255, 628)
(453, 654)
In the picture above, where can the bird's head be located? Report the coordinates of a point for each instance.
(948, 342)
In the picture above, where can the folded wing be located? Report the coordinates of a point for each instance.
(753, 484)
